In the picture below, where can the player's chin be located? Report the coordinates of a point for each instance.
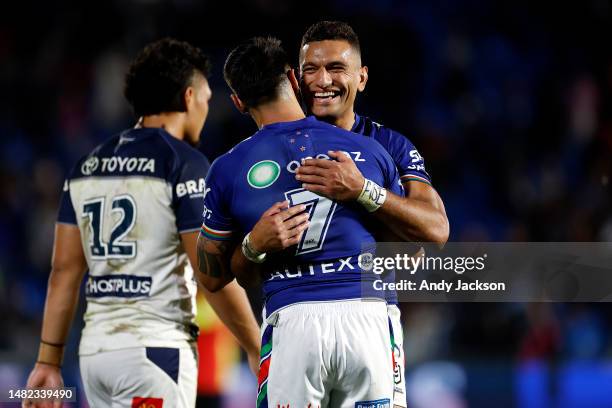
(324, 111)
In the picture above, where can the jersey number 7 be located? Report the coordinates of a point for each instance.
(321, 210)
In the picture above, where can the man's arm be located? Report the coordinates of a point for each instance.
(68, 266)
(211, 262)
(419, 216)
(229, 300)
(248, 273)
(278, 228)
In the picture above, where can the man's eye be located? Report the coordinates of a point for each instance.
(308, 70)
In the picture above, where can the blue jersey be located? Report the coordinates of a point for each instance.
(407, 159)
(260, 171)
(131, 197)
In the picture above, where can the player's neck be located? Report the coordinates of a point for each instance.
(277, 111)
(170, 122)
(346, 121)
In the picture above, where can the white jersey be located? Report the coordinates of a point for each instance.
(131, 198)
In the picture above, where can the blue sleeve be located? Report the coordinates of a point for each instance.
(409, 162)
(217, 220)
(189, 189)
(392, 177)
(66, 214)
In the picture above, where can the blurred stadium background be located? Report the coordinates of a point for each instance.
(510, 103)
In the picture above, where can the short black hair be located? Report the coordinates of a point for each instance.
(255, 69)
(331, 30)
(159, 75)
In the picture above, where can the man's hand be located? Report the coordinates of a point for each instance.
(44, 376)
(279, 227)
(339, 180)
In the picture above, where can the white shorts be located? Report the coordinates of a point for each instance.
(399, 360)
(327, 354)
(152, 377)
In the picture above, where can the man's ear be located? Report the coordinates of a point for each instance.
(238, 104)
(363, 78)
(294, 82)
(188, 98)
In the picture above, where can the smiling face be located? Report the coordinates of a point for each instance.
(330, 77)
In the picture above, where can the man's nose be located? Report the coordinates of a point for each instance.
(323, 78)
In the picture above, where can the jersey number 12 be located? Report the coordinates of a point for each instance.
(116, 247)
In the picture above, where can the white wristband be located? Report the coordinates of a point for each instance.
(372, 195)
(250, 253)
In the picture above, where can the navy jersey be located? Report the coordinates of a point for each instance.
(407, 159)
(131, 197)
(260, 171)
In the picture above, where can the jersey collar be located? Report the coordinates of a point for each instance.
(308, 120)
(356, 124)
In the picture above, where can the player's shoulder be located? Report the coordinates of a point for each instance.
(340, 132)
(261, 141)
(183, 152)
(138, 151)
(225, 165)
(379, 132)
(334, 135)
(369, 127)
(89, 164)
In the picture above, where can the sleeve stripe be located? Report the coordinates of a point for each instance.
(215, 234)
(414, 177)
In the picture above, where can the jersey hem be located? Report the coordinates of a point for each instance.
(414, 177)
(194, 229)
(67, 223)
(214, 234)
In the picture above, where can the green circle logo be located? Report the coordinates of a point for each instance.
(262, 174)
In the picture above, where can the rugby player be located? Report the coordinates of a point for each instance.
(323, 344)
(331, 76)
(130, 213)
